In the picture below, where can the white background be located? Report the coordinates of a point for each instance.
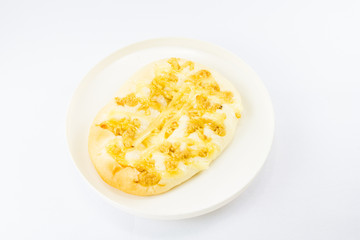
(306, 52)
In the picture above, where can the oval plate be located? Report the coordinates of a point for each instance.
(227, 176)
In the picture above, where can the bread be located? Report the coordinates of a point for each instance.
(167, 123)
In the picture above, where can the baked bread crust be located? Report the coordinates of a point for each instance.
(132, 176)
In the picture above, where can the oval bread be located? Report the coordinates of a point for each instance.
(167, 123)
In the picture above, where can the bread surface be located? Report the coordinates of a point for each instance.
(168, 122)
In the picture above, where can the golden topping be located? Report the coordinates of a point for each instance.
(148, 176)
(204, 103)
(189, 64)
(174, 64)
(200, 94)
(130, 100)
(203, 152)
(200, 75)
(117, 153)
(210, 85)
(146, 104)
(164, 85)
(145, 164)
(124, 127)
(171, 165)
(198, 124)
(205, 81)
(162, 123)
(151, 178)
(176, 154)
(174, 151)
(171, 129)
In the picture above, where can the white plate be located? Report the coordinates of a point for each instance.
(227, 176)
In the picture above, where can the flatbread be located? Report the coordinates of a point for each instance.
(168, 122)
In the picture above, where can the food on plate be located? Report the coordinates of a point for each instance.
(167, 123)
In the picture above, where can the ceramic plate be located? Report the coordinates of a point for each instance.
(227, 176)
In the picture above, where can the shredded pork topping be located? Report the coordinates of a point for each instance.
(172, 95)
